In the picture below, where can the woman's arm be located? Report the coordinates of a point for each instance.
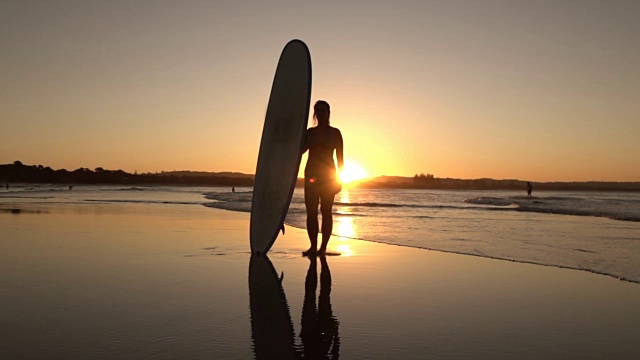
(305, 142)
(339, 150)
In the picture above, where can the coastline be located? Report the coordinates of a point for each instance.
(17, 172)
(114, 281)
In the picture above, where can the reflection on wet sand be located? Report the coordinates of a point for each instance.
(271, 325)
(319, 328)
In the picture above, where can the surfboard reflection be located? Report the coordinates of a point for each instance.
(319, 327)
(271, 326)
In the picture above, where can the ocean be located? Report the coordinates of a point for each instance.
(597, 232)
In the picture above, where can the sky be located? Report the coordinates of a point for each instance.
(530, 90)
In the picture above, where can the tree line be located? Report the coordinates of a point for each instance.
(18, 172)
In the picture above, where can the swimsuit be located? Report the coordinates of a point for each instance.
(320, 171)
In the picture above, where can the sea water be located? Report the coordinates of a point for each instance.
(592, 231)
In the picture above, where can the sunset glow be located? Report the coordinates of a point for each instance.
(352, 172)
(546, 98)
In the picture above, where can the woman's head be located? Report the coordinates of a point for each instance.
(321, 112)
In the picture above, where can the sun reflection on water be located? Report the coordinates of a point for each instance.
(344, 227)
(343, 224)
(342, 207)
(344, 196)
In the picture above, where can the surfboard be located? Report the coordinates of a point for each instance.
(282, 139)
(271, 325)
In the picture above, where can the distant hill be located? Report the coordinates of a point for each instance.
(18, 172)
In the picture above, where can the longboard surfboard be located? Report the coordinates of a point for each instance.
(282, 139)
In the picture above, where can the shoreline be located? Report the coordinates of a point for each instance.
(242, 190)
(17, 210)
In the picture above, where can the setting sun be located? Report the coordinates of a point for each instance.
(352, 172)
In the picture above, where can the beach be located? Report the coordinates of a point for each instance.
(486, 197)
(105, 280)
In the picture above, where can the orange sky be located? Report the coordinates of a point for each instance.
(467, 89)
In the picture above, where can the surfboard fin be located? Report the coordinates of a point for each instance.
(281, 277)
(282, 228)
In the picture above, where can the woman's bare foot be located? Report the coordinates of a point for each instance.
(310, 252)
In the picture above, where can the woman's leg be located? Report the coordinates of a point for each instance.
(326, 207)
(311, 203)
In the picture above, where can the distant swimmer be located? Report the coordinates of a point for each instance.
(320, 178)
(529, 189)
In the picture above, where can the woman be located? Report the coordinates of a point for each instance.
(320, 180)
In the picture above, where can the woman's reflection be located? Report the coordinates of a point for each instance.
(319, 328)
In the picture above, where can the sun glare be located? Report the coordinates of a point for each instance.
(352, 172)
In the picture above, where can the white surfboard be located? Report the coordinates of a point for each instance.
(282, 139)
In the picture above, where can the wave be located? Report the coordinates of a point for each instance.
(33, 191)
(562, 205)
(409, 206)
(374, 204)
(25, 197)
(611, 209)
(245, 206)
(143, 201)
(129, 189)
(230, 205)
(581, 212)
(490, 201)
(239, 196)
(343, 214)
(521, 261)
(502, 258)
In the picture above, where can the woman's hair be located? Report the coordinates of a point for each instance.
(319, 104)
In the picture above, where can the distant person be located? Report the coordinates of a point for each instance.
(7, 186)
(233, 189)
(529, 189)
(70, 187)
(320, 178)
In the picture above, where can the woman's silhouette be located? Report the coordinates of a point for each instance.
(320, 179)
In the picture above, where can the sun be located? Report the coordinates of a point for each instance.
(352, 172)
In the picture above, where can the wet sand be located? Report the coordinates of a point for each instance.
(132, 281)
